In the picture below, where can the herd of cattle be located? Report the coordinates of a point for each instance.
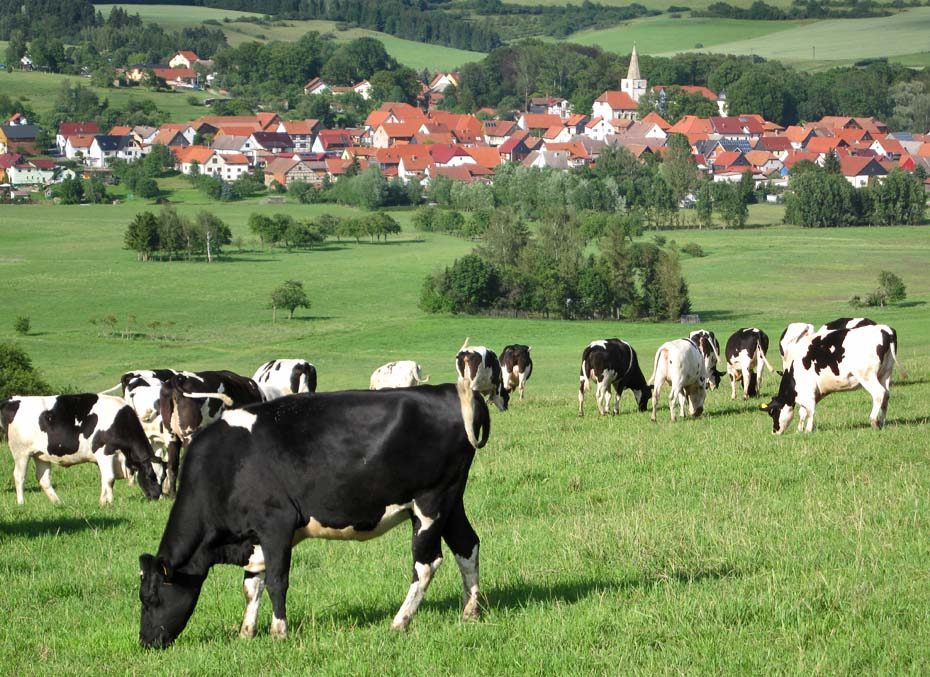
(273, 462)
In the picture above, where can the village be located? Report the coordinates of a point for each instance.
(420, 143)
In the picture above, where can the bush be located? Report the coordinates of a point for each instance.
(693, 249)
(17, 375)
(22, 325)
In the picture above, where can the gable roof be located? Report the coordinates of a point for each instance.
(852, 165)
(736, 124)
(20, 132)
(273, 139)
(541, 120)
(617, 100)
(656, 119)
(69, 128)
(188, 154)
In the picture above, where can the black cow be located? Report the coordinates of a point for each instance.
(516, 365)
(480, 369)
(341, 465)
(612, 363)
(193, 400)
(70, 429)
(745, 353)
(707, 343)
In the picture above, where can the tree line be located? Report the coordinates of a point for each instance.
(169, 235)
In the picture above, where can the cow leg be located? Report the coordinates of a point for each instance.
(601, 387)
(732, 376)
(19, 476)
(655, 398)
(107, 475)
(463, 542)
(253, 585)
(582, 389)
(802, 417)
(746, 372)
(276, 550)
(879, 402)
(427, 556)
(617, 393)
(174, 462)
(673, 396)
(44, 477)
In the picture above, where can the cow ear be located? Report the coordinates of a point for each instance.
(764, 406)
(146, 563)
(165, 568)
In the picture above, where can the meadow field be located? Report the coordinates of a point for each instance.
(609, 545)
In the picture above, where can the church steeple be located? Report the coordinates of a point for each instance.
(633, 84)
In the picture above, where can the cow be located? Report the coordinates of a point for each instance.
(611, 363)
(793, 333)
(268, 476)
(848, 323)
(399, 374)
(834, 360)
(141, 388)
(285, 377)
(516, 366)
(193, 400)
(745, 354)
(680, 364)
(69, 429)
(480, 369)
(707, 343)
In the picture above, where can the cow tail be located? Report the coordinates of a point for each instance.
(110, 390)
(760, 355)
(894, 356)
(225, 399)
(655, 366)
(477, 420)
(465, 345)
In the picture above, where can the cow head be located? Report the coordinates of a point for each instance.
(714, 377)
(642, 397)
(501, 396)
(781, 407)
(696, 397)
(168, 600)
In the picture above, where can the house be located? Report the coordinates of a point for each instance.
(289, 170)
(389, 134)
(538, 123)
(105, 148)
(316, 86)
(763, 162)
(229, 144)
(331, 141)
(557, 134)
(598, 128)
(188, 155)
(66, 129)
(177, 77)
(77, 146)
(363, 89)
(8, 160)
(261, 144)
(485, 156)
(302, 132)
(226, 166)
(736, 127)
(779, 146)
(517, 147)
(449, 156)
(577, 153)
(614, 104)
(555, 159)
(861, 171)
(647, 130)
(34, 173)
(551, 105)
(442, 81)
(172, 135)
(183, 59)
(413, 165)
(464, 173)
(19, 139)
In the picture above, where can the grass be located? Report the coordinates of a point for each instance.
(40, 91)
(417, 55)
(704, 546)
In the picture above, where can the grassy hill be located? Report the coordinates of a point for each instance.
(705, 546)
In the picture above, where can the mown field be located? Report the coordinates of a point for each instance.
(417, 55)
(608, 545)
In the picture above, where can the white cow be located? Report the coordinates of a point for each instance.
(399, 374)
(278, 378)
(833, 360)
(680, 364)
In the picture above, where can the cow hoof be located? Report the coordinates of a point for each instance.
(247, 631)
(471, 613)
(400, 624)
(278, 628)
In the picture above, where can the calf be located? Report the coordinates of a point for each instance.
(707, 343)
(680, 364)
(268, 476)
(793, 333)
(480, 369)
(611, 363)
(400, 374)
(70, 429)
(193, 400)
(516, 365)
(285, 377)
(833, 360)
(745, 353)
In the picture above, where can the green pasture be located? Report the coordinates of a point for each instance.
(663, 34)
(609, 545)
(40, 90)
(417, 55)
(660, 5)
(840, 40)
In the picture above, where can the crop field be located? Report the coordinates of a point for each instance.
(608, 544)
(417, 55)
(40, 90)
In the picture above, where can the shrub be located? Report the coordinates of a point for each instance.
(693, 249)
(17, 375)
(22, 325)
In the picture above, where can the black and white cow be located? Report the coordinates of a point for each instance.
(516, 365)
(398, 374)
(848, 323)
(268, 476)
(834, 360)
(70, 429)
(480, 369)
(707, 343)
(141, 388)
(793, 333)
(285, 377)
(680, 363)
(611, 363)
(192, 400)
(745, 353)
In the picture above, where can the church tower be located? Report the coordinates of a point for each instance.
(633, 84)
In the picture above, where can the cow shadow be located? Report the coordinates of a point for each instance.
(521, 595)
(866, 425)
(57, 527)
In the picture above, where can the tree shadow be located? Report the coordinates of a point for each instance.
(910, 304)
(715, 315)
(56, 527)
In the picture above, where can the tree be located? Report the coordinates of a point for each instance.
(143, 235)
(897, 200)
(290, 295)
(262, 226)
(215, 232)
(17, 375)
(678, 167)
(96, 191)
(891, 289)
(705, 205)
(70, 191)
(22, 325)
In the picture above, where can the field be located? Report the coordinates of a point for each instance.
(414, 54)
(40, 90)
(607, 544)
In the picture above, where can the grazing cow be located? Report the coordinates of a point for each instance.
(480, 369)
(141, 389)
(270, 475)
(680, 364)
(70, 429)
(745, 352)
(793, 333)
(516, 365)
(400, 374)
(285, 377)
(193, 400)
(833, 360)
(848, 323)
(707, 343)
(611, 363)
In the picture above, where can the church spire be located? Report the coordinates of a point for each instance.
(633, 72)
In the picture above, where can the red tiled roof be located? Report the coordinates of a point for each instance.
(70, 128)
(617, 100)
